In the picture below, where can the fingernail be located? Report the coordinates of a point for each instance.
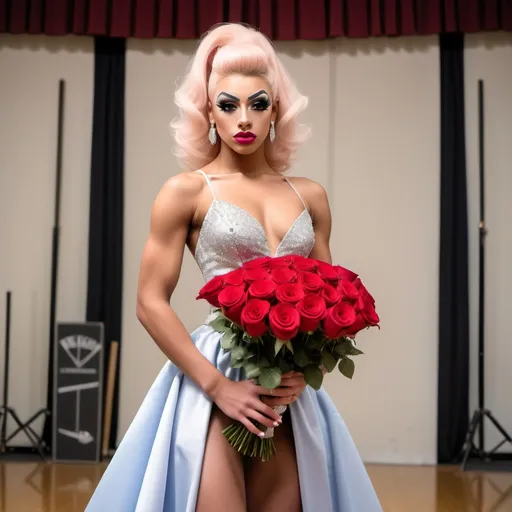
(276, 424)
(261, 434)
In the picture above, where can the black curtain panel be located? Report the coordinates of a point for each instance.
(104, 292)
(453, 376)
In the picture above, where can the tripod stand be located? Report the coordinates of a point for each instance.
(478, 419)
(5, 410)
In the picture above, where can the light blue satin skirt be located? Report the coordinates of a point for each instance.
(157, 466)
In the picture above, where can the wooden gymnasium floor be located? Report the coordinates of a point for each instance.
(37, 487)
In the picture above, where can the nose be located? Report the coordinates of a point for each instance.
(244, 122)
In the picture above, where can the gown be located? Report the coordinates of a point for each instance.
(157, 466)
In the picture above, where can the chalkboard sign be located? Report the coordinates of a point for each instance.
(78, 392)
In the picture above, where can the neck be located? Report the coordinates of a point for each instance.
(230, 161)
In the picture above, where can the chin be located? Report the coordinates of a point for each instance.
(245, 150)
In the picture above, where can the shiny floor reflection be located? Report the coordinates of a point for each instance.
(37, 487)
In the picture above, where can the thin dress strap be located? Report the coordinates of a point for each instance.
(295, 190)
(208, 182)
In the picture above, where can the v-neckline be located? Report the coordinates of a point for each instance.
(262, 229)
(255, 221)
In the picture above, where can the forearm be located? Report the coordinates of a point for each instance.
(171, 336)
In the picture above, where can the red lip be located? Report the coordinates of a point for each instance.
(245, 137)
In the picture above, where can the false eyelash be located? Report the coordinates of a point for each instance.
(225, 106)
(261, 105)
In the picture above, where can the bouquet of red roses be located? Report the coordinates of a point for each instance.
(285, 314)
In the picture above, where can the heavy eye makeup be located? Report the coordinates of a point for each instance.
(229, 103)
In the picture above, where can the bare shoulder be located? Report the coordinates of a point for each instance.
(312, 192)
(176, 200)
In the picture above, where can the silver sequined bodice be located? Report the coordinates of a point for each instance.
(230, 236)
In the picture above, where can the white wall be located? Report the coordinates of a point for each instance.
(374, 111)
(488, 57)
(30, 68)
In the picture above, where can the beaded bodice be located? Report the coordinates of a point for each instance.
(229, 236)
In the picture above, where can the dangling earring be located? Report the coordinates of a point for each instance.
(212, 135)
(272, 131)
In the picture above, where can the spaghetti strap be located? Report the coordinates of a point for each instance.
(208, 182)
(295, 190)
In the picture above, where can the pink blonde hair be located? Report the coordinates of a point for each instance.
(226, 49)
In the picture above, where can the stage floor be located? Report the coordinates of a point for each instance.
(37, 487)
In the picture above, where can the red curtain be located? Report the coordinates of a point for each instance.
(279, 19)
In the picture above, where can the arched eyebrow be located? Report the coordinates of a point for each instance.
(256, 94)
(230, 96)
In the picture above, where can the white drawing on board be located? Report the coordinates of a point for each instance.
(82, 436)
(80, 349)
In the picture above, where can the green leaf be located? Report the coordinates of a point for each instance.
(278, 346)
(239, 352)
(347, 367)
(262, 362)
(328, 360)
(284, 366)
(270, 377)
(343, 346)
(228, 340)
(300, 357)
(354, 352)
(249, 339)
(237, 363)
(313, 376)
(251, 370)
(219, 324)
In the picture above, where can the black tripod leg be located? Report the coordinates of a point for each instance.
(27, 425)
(22, 427)
(498, 426)
(468, 445)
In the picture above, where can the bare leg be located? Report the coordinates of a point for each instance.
(273, 486)
(222, 486)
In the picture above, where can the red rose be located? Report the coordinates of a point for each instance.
(232, 300)
(289, 292)
(283, 275)
(311, 282)
(311, 309)
(327, 271)
(235, 277)
(330, 294)
(262, 289)
(254, 274)
(357, 326)
(258, 262)
(338, 318)
(210, 291)
(284, 321)
(348, 290)
(370, 315)
(281, 262)
(345, 273)
(305, 264)
(253, 317)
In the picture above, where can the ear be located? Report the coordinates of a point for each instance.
(209, 109)
(275, 109)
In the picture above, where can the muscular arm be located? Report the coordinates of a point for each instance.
(160, 268)
(321, 214)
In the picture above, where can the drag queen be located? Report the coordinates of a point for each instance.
(236, 134)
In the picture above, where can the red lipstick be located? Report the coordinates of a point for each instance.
(245, 137)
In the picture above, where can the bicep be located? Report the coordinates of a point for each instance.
(321, 215)
(162, 256)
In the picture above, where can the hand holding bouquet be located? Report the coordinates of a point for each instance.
(285, 314)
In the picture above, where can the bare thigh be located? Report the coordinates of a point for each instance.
(222, 487)
(273, 486)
